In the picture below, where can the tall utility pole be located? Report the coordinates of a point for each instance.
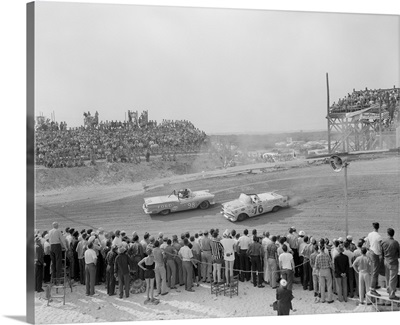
(327, 115)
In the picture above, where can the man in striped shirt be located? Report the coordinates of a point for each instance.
(217, 257)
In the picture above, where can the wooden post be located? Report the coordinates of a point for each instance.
(380, 125)
(327, 115)
(346, 200)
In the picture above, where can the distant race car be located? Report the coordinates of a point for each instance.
(181, 200)
(251, 205)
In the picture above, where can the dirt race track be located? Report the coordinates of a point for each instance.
(317, 207)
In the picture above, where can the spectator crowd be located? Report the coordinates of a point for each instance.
(340, 268)
(59, 146)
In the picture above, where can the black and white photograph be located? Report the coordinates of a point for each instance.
(196, 162)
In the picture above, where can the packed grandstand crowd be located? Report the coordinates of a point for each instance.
(338, 268)
(359, 99)
(116, 141)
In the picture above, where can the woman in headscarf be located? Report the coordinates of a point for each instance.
(284, 298)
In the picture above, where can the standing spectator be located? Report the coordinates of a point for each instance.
(196, 259)
(90, 270)
(286, 265)
(284, 298)
(57, 242)
(206, 258)
(122, 267)
(265, 242)
(47, 259)
(292, 239)
(149, 275)
(315, 275)
(80, 249)
(185, 253)
(117, 239)
(350, 274)
(243, 244)
(178, 261)
(391, 254)
(272, 257)
(341, 263)
(159, 270)
(170, 255)
(255, 253)
(229, 255)
(362, 265)
(74, 244)
(307, 269)
(39, 262)
(110, 278)
(323, 265)
(217, 252)
(136, 254)
(373, 242)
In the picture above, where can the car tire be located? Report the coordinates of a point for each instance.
(164, 212)
(241, 217)
(276, 208)
(204, 205)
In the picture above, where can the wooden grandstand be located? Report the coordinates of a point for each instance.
(363, 127)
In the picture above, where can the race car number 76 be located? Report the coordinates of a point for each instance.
(259, 208)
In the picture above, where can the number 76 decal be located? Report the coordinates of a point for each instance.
(259, 208)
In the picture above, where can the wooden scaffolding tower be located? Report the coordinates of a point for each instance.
(361, 129)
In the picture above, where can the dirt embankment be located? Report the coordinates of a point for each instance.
(104, 173)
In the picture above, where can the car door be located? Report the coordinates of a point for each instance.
(256, 209)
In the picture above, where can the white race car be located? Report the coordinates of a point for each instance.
(251, 205)
(181, 200)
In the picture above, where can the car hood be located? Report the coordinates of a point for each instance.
(233, 205)
(160, 199)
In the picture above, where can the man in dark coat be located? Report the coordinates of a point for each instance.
(122, 267)
(39, 262)
(341, 262)
(110, 279)
(284, 298)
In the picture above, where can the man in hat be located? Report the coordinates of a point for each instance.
(292, 239)
(90, 270)
(39, 262)
(57, 243)
(391, 254)
(110, 262)
(122, 267)
(256, 253)
(373, 242)
(229, 254)
(206, 257)
(284, 298)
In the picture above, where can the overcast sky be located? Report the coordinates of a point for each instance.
(226, 70)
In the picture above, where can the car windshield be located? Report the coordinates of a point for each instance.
(245, 198)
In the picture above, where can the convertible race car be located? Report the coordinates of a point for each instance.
(181, 200)
(251, 205)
